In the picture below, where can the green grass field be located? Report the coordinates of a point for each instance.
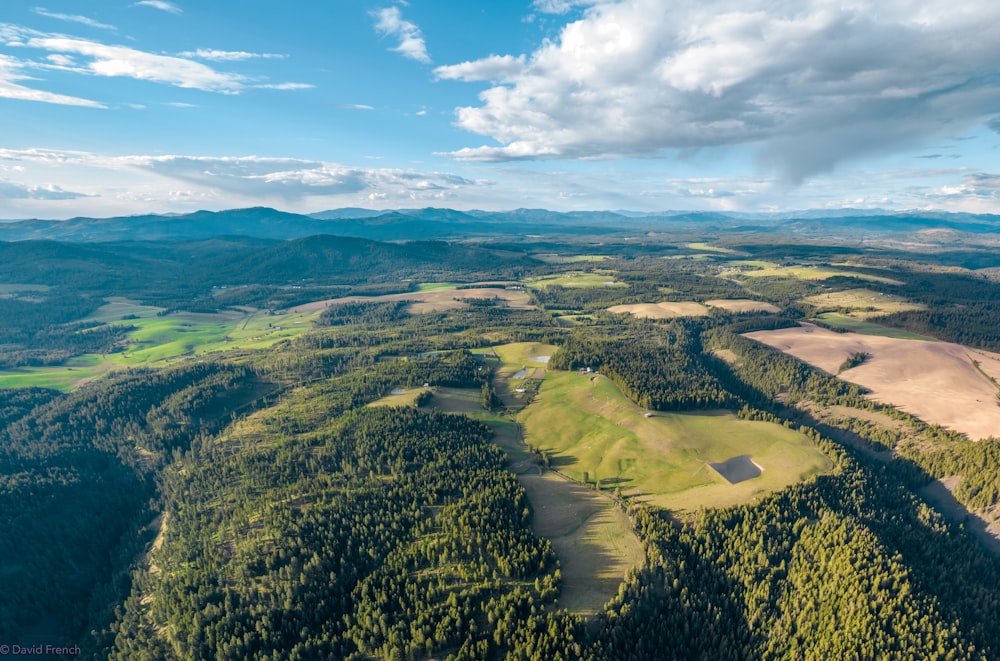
(578, 280)
(707, 247)
(862, 303)
(758, 268)
(160, 340)
(587, 425)
(834, 320)
(591, 535)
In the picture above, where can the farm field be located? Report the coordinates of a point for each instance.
(555, 258)
(861, 303)
(665, 310)
(935, 381)
(758, 268)
(434, 299)
(670, 309)
(591, 535)
(862, 327)
(575, 279)
(159, 340)
(588, 426)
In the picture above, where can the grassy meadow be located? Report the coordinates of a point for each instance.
(159, 339)
(587, 426)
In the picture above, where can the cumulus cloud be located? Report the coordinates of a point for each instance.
(494, 67)
(389, 22)
(72, 18)
(808, 83)
(162, 5)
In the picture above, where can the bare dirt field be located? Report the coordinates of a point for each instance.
(671, 309)
(665, 310)
(935, 381)
(743, 305)
(438, 300)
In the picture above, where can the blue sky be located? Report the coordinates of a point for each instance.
(111, 107)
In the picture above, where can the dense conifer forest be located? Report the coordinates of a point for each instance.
(251, 504)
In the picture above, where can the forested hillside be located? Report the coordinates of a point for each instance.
(252, 504)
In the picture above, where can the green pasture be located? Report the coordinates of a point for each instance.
(437, 286)
(575, 280)
(758, 268)
(63, 377)
(861, 303)
(587, 425)
(160, 339)
(707, 247)
(840, 321)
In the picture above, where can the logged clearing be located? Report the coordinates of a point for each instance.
(431, 300)
(587, 425)
(938, 382)
(665, 310)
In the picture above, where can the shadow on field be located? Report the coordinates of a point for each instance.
(591, 536)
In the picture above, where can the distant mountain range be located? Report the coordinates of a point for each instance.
(433, 223)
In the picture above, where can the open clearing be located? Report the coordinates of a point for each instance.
(743, 305)
(671, 309)
(758, 268)
(592, 537)
(587, 425)
(665, 310)
(935, 381)
(555, 258)
(576, 279)
(855, 325)
(430, 300)
(159, 339)
(861, 303)
(522, 365)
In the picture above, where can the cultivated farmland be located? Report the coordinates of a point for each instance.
(940, 382)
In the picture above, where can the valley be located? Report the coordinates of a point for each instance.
(498, 447)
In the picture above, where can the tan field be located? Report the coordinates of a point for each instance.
(743, 305)
(665, 310)
(935, 381)
(438, 300)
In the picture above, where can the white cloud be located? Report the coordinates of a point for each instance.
(411, 43)
(494, 67)
(807, 83)
(121, 61)
(355, 106)
(100, 59)
(162, 5)
(15, 191)
(229, 56)
(11, 89)
(140, 183)
(72, 18)
(559, 6)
